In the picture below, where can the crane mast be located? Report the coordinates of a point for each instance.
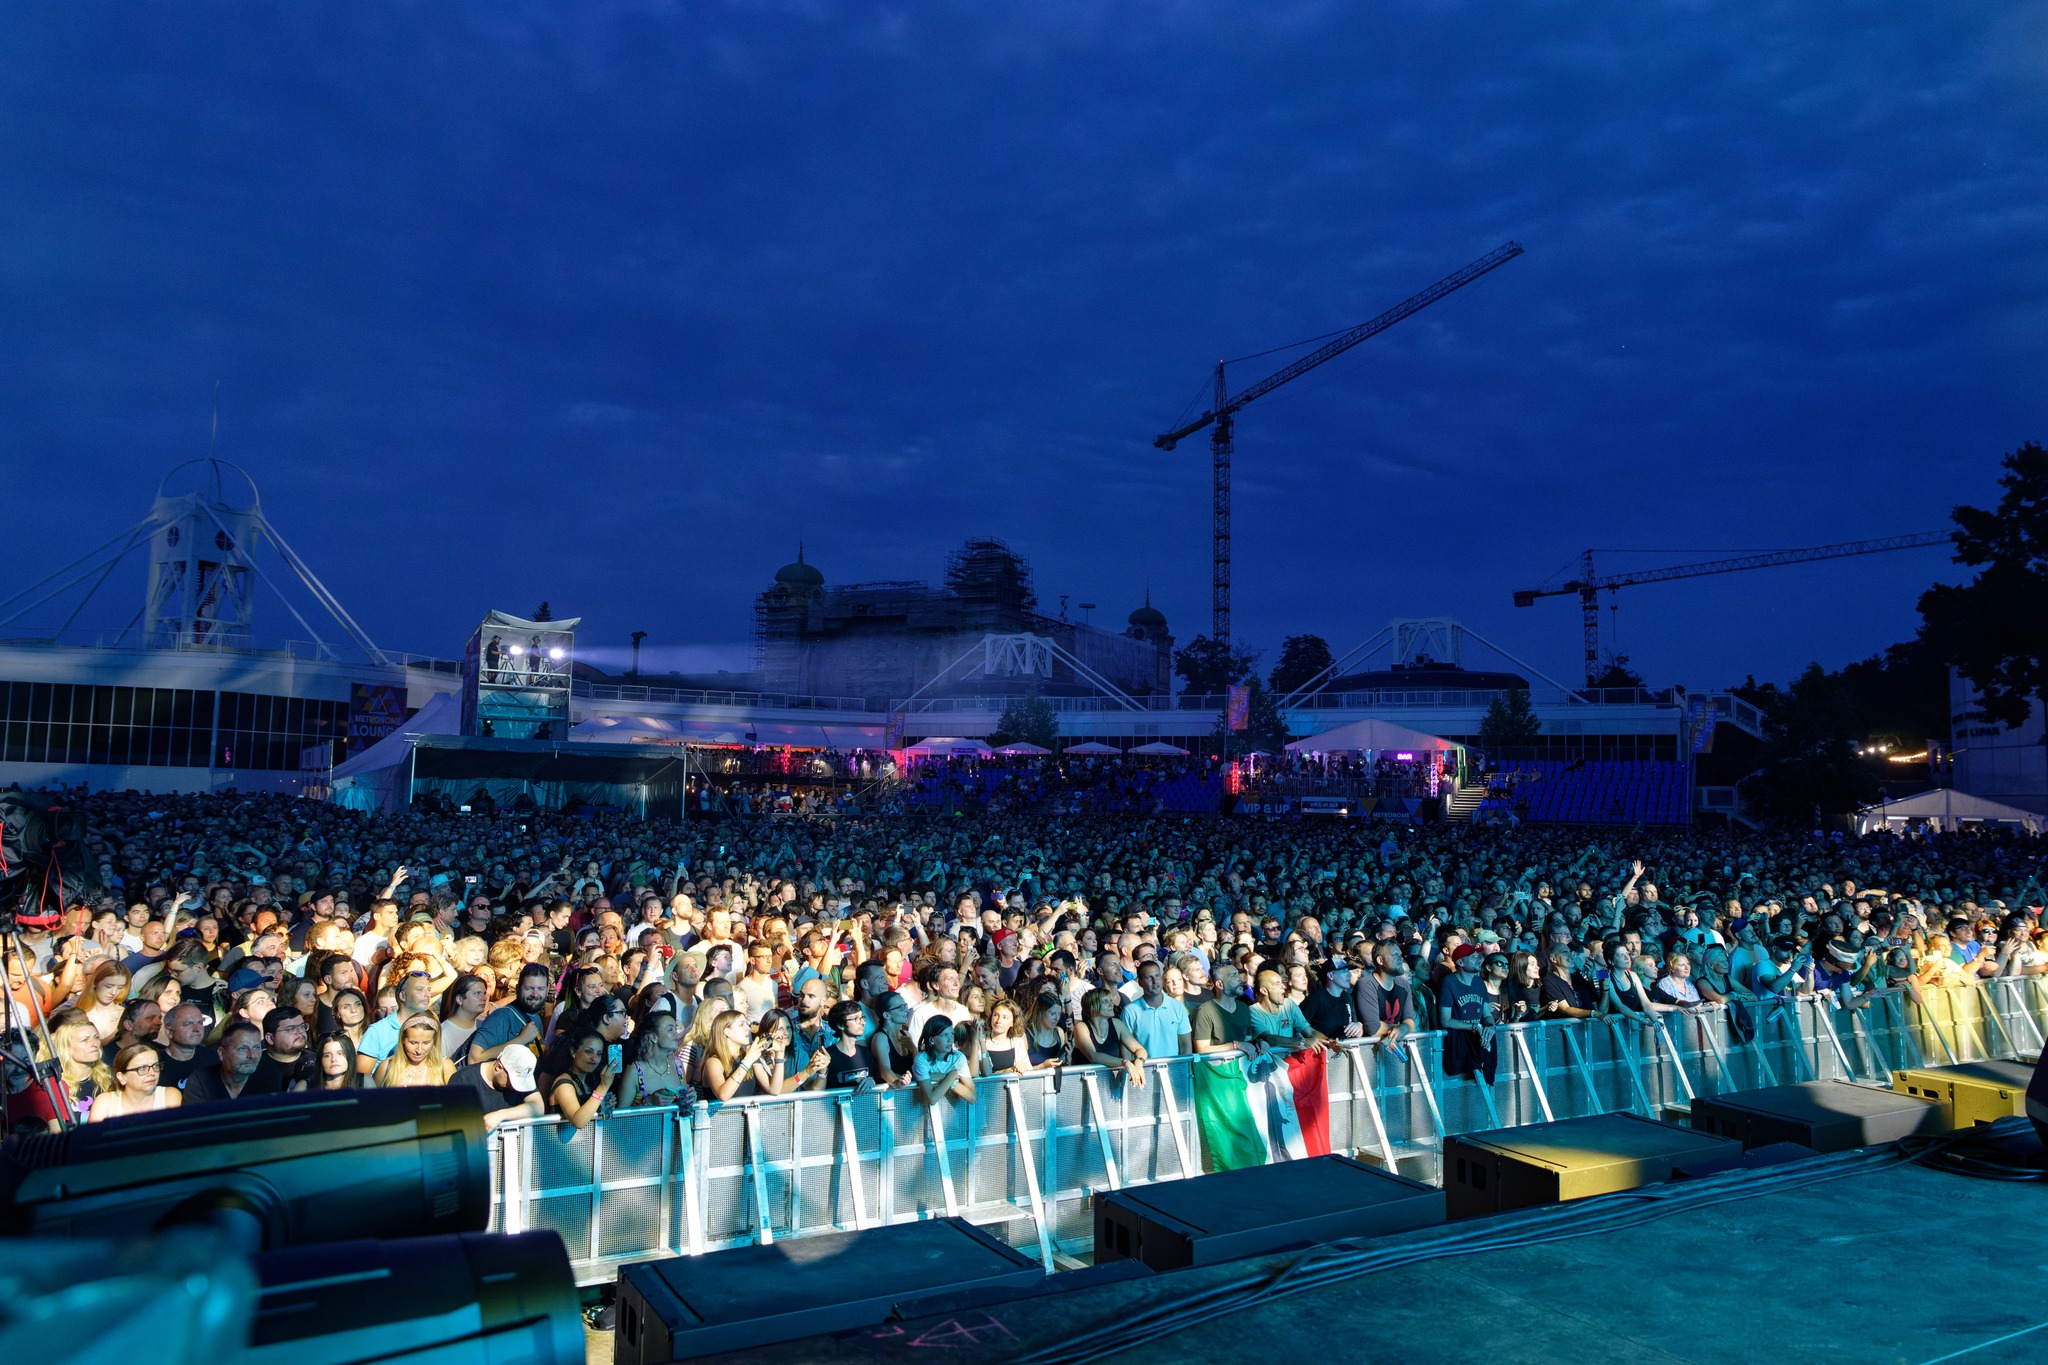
(1222, 418)
(1589, 584)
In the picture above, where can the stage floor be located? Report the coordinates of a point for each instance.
(1905, 1264)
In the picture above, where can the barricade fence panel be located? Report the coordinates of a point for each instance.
(1027, 1157)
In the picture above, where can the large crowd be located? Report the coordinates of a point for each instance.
(570, 964)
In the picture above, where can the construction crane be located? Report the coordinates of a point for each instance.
(1589, 584)
(1223, 417)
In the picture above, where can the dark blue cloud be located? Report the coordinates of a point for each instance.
(608, 303)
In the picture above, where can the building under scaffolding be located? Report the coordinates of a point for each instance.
(885, 640)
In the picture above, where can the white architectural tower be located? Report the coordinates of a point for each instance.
(202, 580)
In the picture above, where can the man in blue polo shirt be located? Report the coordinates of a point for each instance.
(1158, 1021)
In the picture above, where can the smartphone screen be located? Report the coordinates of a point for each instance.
(613, 1055)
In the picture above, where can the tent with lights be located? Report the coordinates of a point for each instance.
(1943, 809)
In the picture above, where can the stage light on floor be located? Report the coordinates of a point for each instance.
(270, 1172)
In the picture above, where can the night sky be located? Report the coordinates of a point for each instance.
(609, 303)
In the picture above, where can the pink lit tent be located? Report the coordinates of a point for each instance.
(1379, 736)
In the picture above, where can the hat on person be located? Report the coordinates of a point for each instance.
(1463, 951)
(517, 1059)
(1486, 936)
(1841, 953)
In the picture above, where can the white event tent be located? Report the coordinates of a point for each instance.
(1944, 809)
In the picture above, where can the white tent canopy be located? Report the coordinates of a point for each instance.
(371, 780)
(1160, 748)
(1381, 736)
(1022, 749)
(1945, 809)
(937, 747)
(689, 730)
(1092, 747)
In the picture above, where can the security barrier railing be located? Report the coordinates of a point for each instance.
(1027, 1157)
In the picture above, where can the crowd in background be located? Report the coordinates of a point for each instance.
(229, 946)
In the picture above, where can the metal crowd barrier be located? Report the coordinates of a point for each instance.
(1026, 1158)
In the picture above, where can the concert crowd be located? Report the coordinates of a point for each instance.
(228, 946)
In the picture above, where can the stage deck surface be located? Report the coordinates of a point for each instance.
(1904, 1264)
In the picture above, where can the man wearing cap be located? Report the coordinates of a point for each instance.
(504, 1085)
(1333, 1011)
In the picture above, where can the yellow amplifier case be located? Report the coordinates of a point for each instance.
(1548, 1163)
(1977, 1092)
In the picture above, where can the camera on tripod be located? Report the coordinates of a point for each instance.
(18, 1061)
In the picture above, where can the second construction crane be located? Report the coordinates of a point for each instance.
(1223, 414)
(1588, 584)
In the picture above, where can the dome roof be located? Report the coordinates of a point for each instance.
(1148, 617)
(799, 574)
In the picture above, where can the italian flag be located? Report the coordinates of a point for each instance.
(1283, 1117)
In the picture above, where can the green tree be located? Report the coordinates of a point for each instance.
(1510, 726)
(1029, 719)
(1992, 628)
(1810, 767)
(1619, 674)
(1207, 666)
(543, 613)
(1302, 657)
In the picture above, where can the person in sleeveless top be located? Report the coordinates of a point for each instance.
(137, 1070)
(1104, 1039)
(893, 1050)
(1005, 1048)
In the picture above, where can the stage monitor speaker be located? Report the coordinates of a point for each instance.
(1548, 1163)
(1209, 1218)
(270, 1172)
(473, 1299)
(755, 1296)
(1975, 1092)
(1828, 1116)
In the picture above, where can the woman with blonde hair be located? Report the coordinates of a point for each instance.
(137, 1070)
(717, 998)
(106, 991)
(733, 1069)
(417, 1059)
(81, 1073)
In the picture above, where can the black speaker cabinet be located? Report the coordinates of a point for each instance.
(1828, 1116)
(755, 1296)
(1220, 1217)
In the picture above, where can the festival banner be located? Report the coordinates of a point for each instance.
(373, 713)
(1237, 708)
(1705, 712)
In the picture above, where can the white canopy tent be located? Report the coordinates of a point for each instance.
(941, 747)
(1091, 747)
(685, 730)
(1944, 809)
(1159, 748)
(1379, 736)
(375, 779)
(1022, 749)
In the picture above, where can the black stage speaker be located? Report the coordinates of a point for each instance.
(756, 1296)
(475, 1299)
(1209, 1218)
(1828, 1116)
(1549, 1163)
(271, 1172)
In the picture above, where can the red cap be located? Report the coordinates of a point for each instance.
(1463, 951)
